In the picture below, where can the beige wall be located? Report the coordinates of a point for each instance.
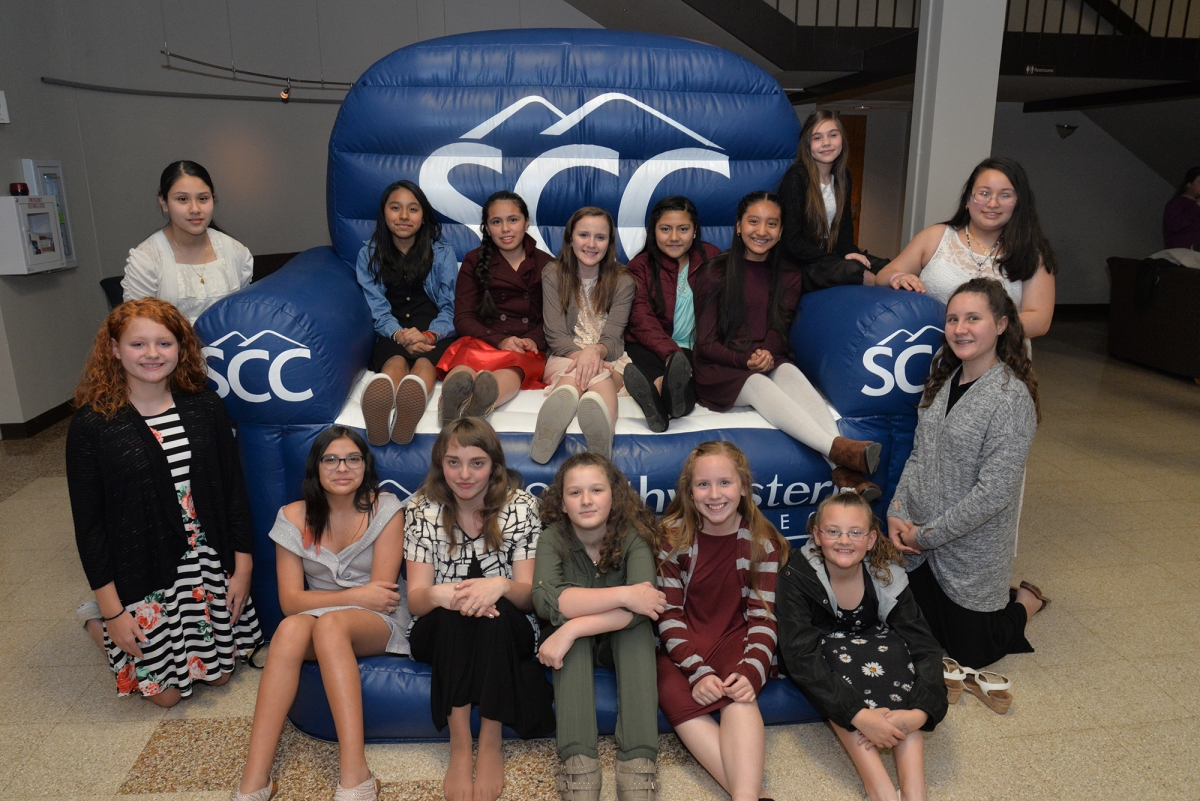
(267, 159)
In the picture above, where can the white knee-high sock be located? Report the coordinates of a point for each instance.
(797, 386)
(777, 408)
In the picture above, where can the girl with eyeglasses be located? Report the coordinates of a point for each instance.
(852, 638)
(994, 234)
(338, 552)
(956, 506)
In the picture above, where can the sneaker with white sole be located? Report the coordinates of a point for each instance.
(596, 424)
(557, 412)
(378, 403)
(411, 399)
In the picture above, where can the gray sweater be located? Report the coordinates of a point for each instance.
(962, 486)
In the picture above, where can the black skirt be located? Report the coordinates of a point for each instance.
(387, 348)
(485, 662)
(973, 639)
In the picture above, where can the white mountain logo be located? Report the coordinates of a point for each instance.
(232, 380)
(898, 375)
(631, 216)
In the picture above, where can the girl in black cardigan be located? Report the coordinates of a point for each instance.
(818, 235)
(162, 520)
(853, 639)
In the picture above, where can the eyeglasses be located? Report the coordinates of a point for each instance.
(353, 462)
(1006, 199)
(834, 534)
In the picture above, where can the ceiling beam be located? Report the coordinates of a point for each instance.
(1121, 97)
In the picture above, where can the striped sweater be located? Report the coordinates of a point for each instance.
(758, 654)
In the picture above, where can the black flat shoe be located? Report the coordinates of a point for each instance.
(647, 398)
(675, 385)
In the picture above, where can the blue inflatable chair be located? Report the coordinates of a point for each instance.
(566, 118)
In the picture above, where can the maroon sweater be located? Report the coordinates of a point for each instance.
(516, 293)
(720, 370)
(650, 330)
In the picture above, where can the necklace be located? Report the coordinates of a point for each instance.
(986, 256)
(200, 273)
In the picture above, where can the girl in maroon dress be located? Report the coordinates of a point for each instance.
(498, 315)
(718, 631)
(746, 299)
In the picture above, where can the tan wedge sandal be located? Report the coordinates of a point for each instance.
(991, 688)
(953, 673)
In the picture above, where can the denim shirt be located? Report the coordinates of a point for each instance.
(439, 285)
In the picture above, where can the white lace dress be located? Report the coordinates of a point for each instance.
(953, 265)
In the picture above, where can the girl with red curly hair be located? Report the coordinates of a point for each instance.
(162, 520)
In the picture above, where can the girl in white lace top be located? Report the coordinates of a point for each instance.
(188, 263)
(995, 234)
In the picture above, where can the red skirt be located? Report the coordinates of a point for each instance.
(479, 355)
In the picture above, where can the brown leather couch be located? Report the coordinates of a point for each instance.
(1154, 315)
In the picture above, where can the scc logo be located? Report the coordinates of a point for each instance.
(233, 379)
(635, 199)
(897, 376)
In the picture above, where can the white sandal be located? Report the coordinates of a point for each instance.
(954, 674)
(265, 794)
(367, 791)
(991, 688)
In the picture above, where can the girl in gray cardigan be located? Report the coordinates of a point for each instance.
(956, 507)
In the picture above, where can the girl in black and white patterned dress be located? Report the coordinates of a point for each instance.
(470, 535)
(162, 521)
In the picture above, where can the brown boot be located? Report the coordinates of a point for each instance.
(855, 454)
(849, 479)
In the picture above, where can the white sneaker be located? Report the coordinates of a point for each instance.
(557, 412)
(596, 424)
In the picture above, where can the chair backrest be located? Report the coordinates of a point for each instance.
(564, 117)
(112, 291)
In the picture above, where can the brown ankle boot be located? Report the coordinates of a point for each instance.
(857, 482)
(855, 454)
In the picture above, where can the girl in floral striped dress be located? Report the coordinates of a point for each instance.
(717, 634)
(162, 520)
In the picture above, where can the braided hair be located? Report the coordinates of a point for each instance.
(652, 251)
(487, 249)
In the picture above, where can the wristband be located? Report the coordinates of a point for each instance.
(114, 617)
(432, 337)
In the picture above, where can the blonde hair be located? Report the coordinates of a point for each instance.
(882, 555)
(682, 519)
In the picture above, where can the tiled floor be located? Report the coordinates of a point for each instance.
(1106, 709)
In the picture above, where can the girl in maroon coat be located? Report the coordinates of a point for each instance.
(746, 299)
(662, 324)
(498, 315)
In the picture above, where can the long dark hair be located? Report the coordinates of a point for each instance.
(487, 249)
(176, 170)
(471, 432)
(627, 510)
(817, 227)
(388, 265)
(655, 256)
(570, 287)
(1010, 345)
(732, 312)
(1188, 177)
(1023, 243)
(316, 504)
